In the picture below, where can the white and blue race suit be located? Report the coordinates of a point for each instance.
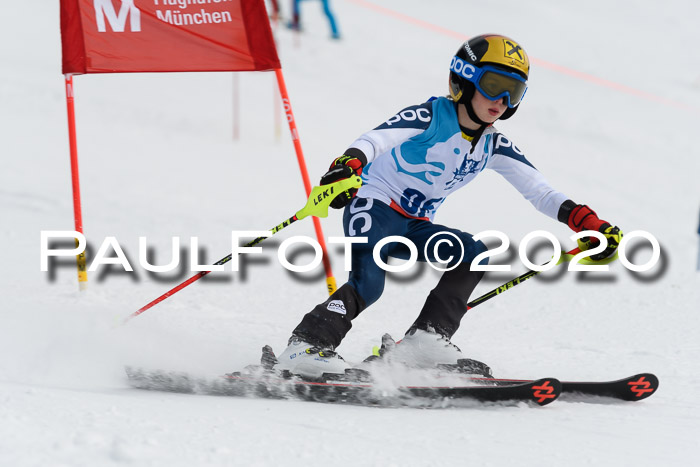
(421, 155)
(415, 160)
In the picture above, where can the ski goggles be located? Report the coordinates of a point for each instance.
(493, 82)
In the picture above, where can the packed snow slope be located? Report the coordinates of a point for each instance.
(610, 118)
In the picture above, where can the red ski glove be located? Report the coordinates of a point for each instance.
(343, 167)
(584, 218)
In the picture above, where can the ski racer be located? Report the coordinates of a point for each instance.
(409, 165)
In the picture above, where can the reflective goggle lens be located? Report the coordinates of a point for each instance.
(496, 85)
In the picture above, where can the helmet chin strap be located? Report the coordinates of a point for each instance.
(472, 114)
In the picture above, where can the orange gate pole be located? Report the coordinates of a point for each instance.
(330, 280)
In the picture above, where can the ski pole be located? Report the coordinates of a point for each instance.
(317, 205)
(565, 258)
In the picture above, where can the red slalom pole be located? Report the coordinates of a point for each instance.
(201, 274)
(317, 206)
(77, 211)
(330, 280)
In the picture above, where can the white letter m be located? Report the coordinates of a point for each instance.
(117, 22)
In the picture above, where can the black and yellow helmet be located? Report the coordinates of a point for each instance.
(495, 65)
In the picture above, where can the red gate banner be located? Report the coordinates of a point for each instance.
(119, 36)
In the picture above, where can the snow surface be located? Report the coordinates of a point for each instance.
(610, 118)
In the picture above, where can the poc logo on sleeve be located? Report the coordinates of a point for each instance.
(337, 306)
(503, 142)
(410, 115)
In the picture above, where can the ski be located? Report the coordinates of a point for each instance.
(264, 384)
(632, 388)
